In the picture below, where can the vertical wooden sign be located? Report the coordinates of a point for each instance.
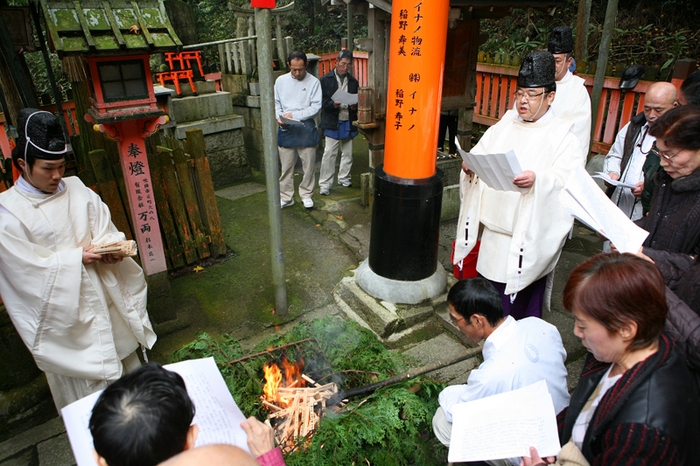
(130, 136)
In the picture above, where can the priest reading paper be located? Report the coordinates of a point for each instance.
(522, 233)
(82, 315)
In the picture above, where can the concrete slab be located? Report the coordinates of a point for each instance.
(443, 348)
(201, 107)
(240, 191)
(27, 440)
(210, 125)
(56, 452)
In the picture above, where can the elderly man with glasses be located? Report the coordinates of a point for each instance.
(337, 122)
(522, 231)
(629, 155)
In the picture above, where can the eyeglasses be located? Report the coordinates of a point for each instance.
(520, 95)
(342, 64)
(663, 154)
(454, 321)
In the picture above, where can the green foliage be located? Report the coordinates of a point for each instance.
(390, 427)
(316, 28)
(651, 32)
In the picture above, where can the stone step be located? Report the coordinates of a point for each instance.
(440, 349)
(201, 107)
(383, 318)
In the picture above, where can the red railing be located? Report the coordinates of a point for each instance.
(359, 66)
(495, 85)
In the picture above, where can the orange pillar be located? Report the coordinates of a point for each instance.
(408, 187)
(414, 92)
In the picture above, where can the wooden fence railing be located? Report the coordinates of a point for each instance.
(184, 193)
(495, 85)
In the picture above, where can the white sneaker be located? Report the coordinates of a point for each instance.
(308, 202)
(345, 184)
(325, 191)
(286, 204)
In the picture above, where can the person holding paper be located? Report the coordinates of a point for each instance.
(516, 353)
(636, 401)
(673, 222)
(523, 232)
(297, 97)
(82, 315)
(145, 418)
(337, 121)
(572, 102)
(630, 157)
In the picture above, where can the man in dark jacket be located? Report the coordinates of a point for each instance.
(337, 122)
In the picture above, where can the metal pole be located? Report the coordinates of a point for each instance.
(582, 19)
(603, 52)
(269, 131)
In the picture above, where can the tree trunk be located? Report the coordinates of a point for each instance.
(582, 20)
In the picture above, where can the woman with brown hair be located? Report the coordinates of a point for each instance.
(636, 401)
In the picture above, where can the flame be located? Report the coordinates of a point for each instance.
(273, 379)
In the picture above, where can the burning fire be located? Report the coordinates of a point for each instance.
(273, 379)
(295, 409)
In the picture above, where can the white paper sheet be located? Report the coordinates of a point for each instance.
(496, 170)
(505, 426)
(344, 97)
(593, 208)
(217, 414)
(605, 177)
(290, 121)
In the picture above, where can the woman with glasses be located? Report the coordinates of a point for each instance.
(673, 221)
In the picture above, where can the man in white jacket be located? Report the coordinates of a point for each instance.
(516, 353)
(572, 102)
(297, 98)
(82, 315)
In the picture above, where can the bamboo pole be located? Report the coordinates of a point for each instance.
(269, 127)
(582, 19)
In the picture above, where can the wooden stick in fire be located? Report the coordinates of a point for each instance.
(343, 394)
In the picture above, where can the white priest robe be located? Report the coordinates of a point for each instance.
(573, 104)
(79, 321)
(522, 234)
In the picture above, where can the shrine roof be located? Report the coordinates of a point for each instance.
(108, 27)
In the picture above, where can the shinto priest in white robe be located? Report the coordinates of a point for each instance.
(522, 234)
(79, 321)
(572, 103)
